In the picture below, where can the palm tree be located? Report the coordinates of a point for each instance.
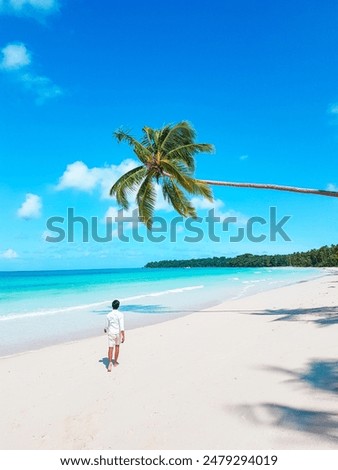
(167, 158)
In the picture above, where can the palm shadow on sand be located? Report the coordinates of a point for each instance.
(319, 423)
(319, 374)
(321, 316)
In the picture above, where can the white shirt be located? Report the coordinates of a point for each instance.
(115, 322)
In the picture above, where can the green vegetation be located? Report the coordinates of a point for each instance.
(323, 257)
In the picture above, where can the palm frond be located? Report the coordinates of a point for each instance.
(126, 184)
(179, 144)
(164, 134)
(199, 188)
(146, 200)
(179, 134)
(175, 196)
(142, 152)
(178, 165)
(175, 171)
(189, 150)
(148, 139)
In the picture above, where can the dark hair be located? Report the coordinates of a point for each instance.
(115, 304)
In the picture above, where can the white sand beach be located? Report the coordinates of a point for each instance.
(260, 372)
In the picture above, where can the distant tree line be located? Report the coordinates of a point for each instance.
(325, 256)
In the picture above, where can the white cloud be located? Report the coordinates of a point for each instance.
(201, 203)
(41, 86)
(244, 157)
(15, 60)
(332, 187)
(79, 176)
(333, 108)
(113, 212)
(9, 254)
(219, 209)
(40, 4)
(28, 7)
(14, 56)
(31, 207)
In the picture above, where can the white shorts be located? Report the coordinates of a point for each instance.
(114, 340)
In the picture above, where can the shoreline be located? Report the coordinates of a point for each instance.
(137, 321)
(260, 372)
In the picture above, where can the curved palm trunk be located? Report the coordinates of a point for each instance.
(276, 187)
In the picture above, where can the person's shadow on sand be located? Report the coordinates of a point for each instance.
(105, 362)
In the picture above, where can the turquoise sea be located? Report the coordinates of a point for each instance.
(39, 308)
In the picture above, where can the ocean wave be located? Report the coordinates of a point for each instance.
(40, 313)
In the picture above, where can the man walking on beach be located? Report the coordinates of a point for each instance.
(115, 330)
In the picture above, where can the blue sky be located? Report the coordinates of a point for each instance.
(259, 80)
